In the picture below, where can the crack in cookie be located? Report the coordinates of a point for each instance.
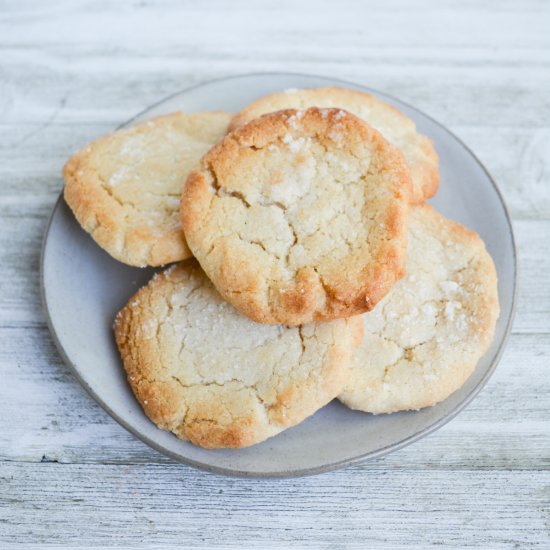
(125, 188)
(299, 217)
(212, 376)
(423, 341)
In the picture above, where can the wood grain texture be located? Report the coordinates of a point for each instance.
(70, 71)
(164, 504)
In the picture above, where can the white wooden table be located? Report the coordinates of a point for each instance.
(70, 71)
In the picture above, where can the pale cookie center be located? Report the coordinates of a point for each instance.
(204, 341)
(305, 203)
(146, 173)
(427, 316)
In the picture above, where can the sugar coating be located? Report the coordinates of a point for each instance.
(425, 338)
(125, 188)
(397, 128)
(211, 375)
(300, 216)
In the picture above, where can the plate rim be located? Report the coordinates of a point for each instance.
(364, 457)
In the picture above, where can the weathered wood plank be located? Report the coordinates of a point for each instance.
(49, 89)
(388, 23)
(517, 159)
(129, 56)
(165, 505)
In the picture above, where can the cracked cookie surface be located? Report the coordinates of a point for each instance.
(423, 341)
(125, 188)
(211, 376)
(396, 127)
(300, 216)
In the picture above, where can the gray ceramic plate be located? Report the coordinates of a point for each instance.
(83, 288)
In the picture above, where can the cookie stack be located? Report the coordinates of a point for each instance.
(319, 272)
